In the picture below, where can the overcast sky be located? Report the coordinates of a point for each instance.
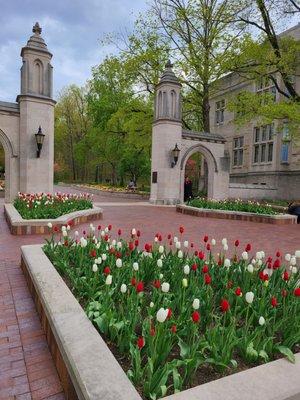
(72, 30)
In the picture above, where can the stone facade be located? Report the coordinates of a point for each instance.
(167, 176)
(20, 121)
(269, 164)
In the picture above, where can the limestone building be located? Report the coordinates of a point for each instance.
(26, 169)
(264, 160)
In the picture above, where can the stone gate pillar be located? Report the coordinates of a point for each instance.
(36, 110)
(166, 133)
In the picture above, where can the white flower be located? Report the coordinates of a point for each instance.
(65, 233)
(114, 242)
(63, 228)
(83, 242)
(259, 262)
(98, 245)
(119, 263)
(225, 247)
(135, 266)
(162, 314)
(180, 254)
(106, 230)
(293, 260)
(185, 243)
(161, 276)
(294, 270)
(261, 321)
(161, 249)
(250, 268)
(151, 305)
(104, 257)
(178, 245)
(184, 282)
(95, 268)
(165, 287)
(227, 262)
(287, 257)
(297, 253)
(119, 245)
(133, 231)
(102, 233)
(156, 239)
(196, 304)
(76, 233)
(224, 241)
(213, 242)
(175, 239)
(249, 296)
(98, 260)
(108, 280)
(258, 255)
(123, 288)
(49, 225)
(159, 263)
(186, 269)
(244, 255)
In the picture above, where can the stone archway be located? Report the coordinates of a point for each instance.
(211, 164)
(11, 167)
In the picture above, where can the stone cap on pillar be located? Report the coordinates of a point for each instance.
(36, 42)
(168, 75)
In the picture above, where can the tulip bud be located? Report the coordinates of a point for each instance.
(180, 254)
(49, 225)
(161, 249)
(162, 314)
(95, 268)
(213, 242)
(184, 282)
(249, 297)
(151, 305)
(244, 255)
(165, 287)
(119, 263)
(185, 243)
(250, 268)
(159, 263)
(227, 263)
(123, 288)
(135, 266)
(186, 269)
(196, 304)
(178, 245)
(108, 280)
(261, 321)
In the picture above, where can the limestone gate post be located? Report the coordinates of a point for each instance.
(19, 122)
(167, 176)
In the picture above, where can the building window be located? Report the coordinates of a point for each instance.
(284, 156)
(263, 144)
(220, 109)
(266, 85)
(238, 151)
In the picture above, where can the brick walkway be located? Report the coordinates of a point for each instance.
(26, 367)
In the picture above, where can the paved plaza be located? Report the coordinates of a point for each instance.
(27, 370)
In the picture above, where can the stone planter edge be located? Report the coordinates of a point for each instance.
(92, 368)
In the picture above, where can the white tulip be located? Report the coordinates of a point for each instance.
(151, 304)
(213, 242)
(262, 254)
(225, 247)
(49, 225)
(98, 260)
(106, 230)
(261, 321)
(104, 257)
(186, 269)
(119, 263)
(293, 260)
(297, 253)
(83, 242)
(259, 263)
(165, 287)
(123, 288)
(249, 296)
(108, 280)
(184, 282)
(161, 315)
(156, 239)
(224, 241)
(135, 266)
(227, 263)
(76, 233)
(244, 255)
(95, 268)
(185, 243)
(102, 233)
(180, 254)
(175, 239)
(294, 270)
(63, 228)
(65, 233)
(98, 245)
(114, 242)
(196, 304)
(178, 245)
(159, 263)
(250, 268)
(161, 276)
(119, 245)
(258, 255)
(161, 249)
(287, 257)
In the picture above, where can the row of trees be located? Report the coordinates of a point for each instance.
(105, 127)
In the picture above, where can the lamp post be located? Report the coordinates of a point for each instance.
(39, 137)
(175, 155)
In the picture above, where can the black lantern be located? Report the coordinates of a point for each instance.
(175, 155)
(39, 137)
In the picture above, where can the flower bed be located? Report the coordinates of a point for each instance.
(233, 205)
(176, 320)
(48, 206)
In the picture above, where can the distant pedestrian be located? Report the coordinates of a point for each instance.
(188, 189)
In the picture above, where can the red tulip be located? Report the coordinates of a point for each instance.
(140, 342)
(156, 283)
(224, 305)
(109, 227)
(286, 276)
(133, 281)
(174, 328)
(205, 239)
(93, 253)
(205, 269)
(169, 313)
(131, 246)
(181, 229)
(278, 254)
(276, 264)
(194, 267)
(297, 292)
(207, 279)
(195, 316)
(284, 293)
(237, 243)
(152, 331)
(201, 255)
(140, 287)
(106, 271)
(138, 233)
(274, 302)
(238, 291)
(208, 247)
(119, 232)
(248, 247)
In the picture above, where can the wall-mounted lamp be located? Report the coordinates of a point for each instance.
(39, 137)
(175, 155)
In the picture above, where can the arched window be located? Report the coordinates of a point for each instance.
(38, 77)
(159, 104)
(173, 104)
(165, 104)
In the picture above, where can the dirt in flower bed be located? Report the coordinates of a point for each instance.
(174, 315)
(234, 205)
(51, 206)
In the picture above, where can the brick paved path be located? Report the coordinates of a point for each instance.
(26, 368)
